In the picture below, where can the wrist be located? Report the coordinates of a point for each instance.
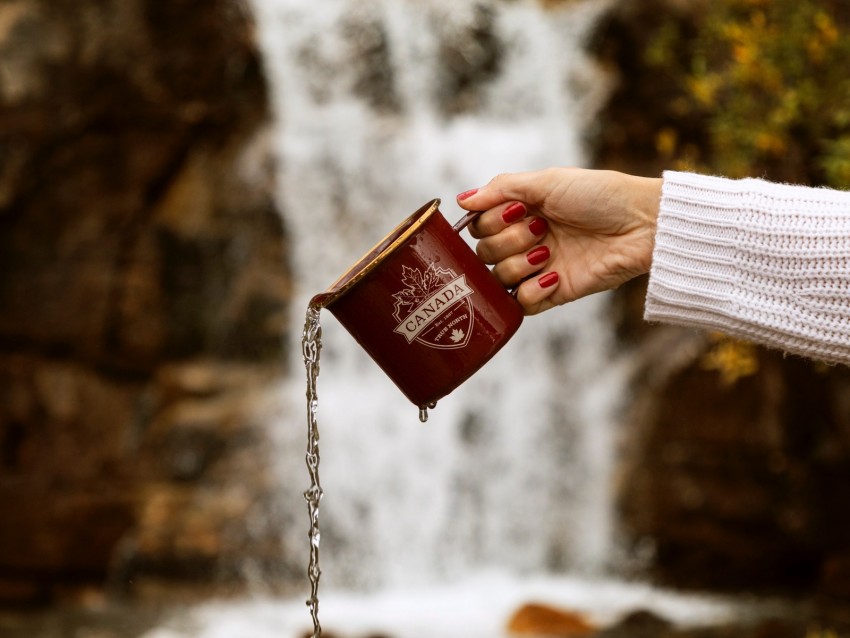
(648, 200)
(645, 207)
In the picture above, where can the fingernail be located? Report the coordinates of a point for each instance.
(538, 226)
(467, 194)
(547, 280)
(538, 256)
(513, 213)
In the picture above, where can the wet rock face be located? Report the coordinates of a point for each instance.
(124, 183)
(645, 101)
(469, 57)
(736, 481)
(139, 244)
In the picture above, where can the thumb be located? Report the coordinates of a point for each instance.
(529, 187)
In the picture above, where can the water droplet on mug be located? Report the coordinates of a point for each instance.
(423, 410)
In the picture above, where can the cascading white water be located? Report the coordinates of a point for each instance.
(513, 469)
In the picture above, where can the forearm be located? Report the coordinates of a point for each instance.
(765, 262)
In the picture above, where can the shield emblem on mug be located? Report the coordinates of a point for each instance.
(433, 308)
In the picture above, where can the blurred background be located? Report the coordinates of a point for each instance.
(177, 179)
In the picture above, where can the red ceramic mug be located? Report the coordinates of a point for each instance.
(424, 307)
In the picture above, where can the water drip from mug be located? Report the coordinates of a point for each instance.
(423, 411)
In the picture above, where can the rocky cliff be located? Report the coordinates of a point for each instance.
(143, 281)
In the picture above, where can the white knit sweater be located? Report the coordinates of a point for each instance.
(769, 263)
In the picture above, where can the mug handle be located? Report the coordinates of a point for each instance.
(465, 221)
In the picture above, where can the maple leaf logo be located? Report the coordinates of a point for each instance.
(457, 335)
(418, 286)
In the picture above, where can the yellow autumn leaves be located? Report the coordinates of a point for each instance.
(768, 79)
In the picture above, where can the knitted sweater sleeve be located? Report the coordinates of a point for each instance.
(769, 263)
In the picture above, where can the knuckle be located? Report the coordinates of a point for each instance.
(484, 226)
(509, 272)
(499, 179)
(484, 252)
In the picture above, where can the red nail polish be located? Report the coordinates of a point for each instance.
(538, 226)
(513, 213)
(547, 280)
(538, 256)
(467, 194)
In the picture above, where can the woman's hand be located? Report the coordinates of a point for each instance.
(564, 232)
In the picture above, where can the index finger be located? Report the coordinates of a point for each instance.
(497, 219)
(530, 187)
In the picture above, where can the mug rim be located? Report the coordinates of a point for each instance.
(373, 257)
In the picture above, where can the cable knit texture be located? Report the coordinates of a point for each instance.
(765, 262)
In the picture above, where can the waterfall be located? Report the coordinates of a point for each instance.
(381, 105)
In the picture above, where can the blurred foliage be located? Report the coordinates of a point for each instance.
(732, 359)
(760, 88)
(768, 79)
